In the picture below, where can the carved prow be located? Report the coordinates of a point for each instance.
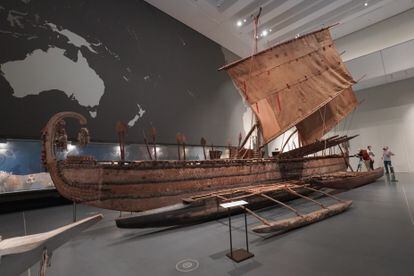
(49, 132)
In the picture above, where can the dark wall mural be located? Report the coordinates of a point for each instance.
(112, 60)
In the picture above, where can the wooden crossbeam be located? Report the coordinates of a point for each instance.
(281, 203)
(221, 197)
(305, 197)
(249, 190)
(241, 196)
(263, 220)
(326, 194)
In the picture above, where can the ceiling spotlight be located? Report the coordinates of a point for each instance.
(366, 4)
(264, 33)
(270, 30)
(239, 23)
(244, 20)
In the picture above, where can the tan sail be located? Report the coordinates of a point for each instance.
(327, 117)
(287, 83)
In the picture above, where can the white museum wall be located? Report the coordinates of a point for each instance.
(385, 117)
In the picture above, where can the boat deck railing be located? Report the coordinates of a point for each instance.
(191, 163)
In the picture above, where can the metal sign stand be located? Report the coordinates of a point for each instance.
(237, 255)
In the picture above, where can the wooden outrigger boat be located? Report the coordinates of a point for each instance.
(301, 83)
(144, 185)
(346, 180)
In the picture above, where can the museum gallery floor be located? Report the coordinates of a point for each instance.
(374, 237)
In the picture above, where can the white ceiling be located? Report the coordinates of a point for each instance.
(217, 19)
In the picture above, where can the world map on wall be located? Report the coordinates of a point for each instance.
(48, 69)
(143, 68)
(88, 88)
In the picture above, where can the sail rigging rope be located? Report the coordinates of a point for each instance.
(323, 118)
(283, 138)
(344, 125)
(350, 122)
(336, 125)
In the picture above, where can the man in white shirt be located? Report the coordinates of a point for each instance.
(386, 156)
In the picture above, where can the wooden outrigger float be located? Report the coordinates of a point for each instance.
(303, 219)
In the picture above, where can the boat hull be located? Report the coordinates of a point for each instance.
(355, 180)
(145, 185)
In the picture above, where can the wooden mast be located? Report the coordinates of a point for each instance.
(258, 125)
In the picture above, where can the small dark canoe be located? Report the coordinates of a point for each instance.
(347, 180)
(196, 212)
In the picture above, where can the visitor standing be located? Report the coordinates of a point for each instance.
(363, 154)
(371, 157)
(386, 157)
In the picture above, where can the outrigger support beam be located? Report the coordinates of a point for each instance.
(305, 197)
(326, 194)
(261, 219)
(283, 204)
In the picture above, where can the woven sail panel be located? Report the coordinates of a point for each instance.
(327, 117)
(287, 83)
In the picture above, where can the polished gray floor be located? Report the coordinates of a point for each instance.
(375, 237)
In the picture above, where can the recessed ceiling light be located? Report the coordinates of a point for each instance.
(239, 23)
(270, 30)
(244, 20)
(366, 4)
(264, 33)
